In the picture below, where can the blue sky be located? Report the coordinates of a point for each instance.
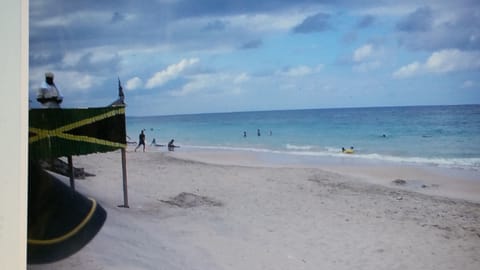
(178, 56)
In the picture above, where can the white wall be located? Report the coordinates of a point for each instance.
(14, 133)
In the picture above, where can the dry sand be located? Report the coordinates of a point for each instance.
(209, 214)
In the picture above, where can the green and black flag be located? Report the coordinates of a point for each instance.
(65, 132)
(60, 220)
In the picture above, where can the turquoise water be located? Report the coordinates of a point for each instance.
(447, 136)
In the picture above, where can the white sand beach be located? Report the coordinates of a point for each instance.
(228, 210)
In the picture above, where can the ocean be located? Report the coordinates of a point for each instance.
(444, 136)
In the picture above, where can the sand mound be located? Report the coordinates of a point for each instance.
(188, 200)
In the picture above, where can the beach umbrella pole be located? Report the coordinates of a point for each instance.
(70, 170)
(124, 173)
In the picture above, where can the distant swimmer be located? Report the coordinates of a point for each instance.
(154, 143)
(244, 134)
(258, 132)
(171, 146)
(348, 151)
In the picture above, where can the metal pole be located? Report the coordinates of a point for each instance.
(72, 174)
(124, 173)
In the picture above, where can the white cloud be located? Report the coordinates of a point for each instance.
(241, 78)
(213, 83)
(198, 83)
(452, 60)
(204, 83)
(103, 55)
(468, 84)
(367, 66)
(72, 58)
(363, 53)
(70, 82)
(300, 71)
(407, 71)
(171, 72)
(134, 83)
(97, 55)
(392, 9)
(84, 82)
(443, 61)
(367, 58)
(76, 18)
(263, 22)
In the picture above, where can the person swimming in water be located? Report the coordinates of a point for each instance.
(171, 146)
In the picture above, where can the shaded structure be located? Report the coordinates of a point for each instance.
(61, 221)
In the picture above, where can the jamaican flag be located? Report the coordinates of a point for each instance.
(64, 132)
(60, 220)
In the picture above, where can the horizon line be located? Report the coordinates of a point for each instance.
(305, 109)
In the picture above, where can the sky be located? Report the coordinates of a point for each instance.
(191, 56)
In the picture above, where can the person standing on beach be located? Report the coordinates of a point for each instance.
(48, 94)
(141, 141)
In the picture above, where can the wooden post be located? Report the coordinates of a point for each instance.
(124, 173)
(71, 172)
